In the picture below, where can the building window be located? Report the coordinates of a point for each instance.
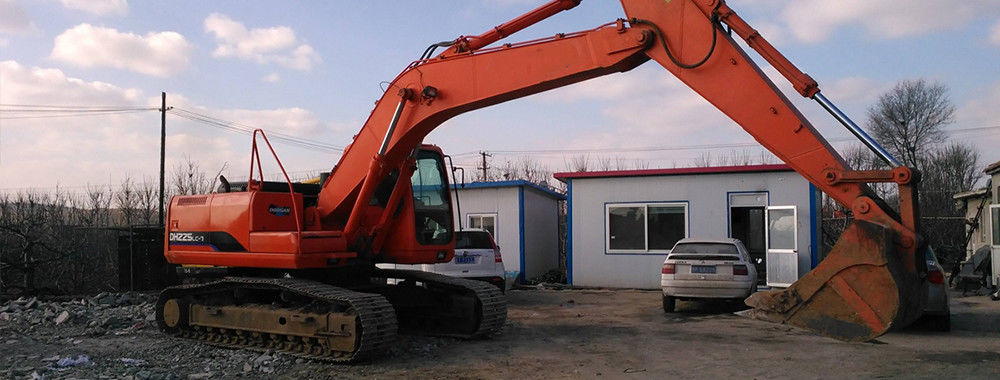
(486, 222)
(644, 227)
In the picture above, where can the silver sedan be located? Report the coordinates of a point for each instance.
(707, 268)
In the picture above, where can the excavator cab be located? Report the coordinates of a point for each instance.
(431, 199)
(424, 232)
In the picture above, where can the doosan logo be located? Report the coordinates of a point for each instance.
(279, 210)
(186, 237)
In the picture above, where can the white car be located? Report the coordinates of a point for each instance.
(707, 268)
(477, 257)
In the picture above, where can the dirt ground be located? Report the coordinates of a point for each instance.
(549, 334)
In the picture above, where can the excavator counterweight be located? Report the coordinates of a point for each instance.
(307, 252)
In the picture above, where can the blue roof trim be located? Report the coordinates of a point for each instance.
(520, 222)
(515, 183)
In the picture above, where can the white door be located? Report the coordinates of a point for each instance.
(781, 237)
(995, 242)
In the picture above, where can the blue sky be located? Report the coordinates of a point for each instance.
(312, 70)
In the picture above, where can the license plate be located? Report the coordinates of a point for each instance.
(472, 260)
(703, 269)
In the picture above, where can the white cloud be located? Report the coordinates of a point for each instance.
(13, 18)
(78, 150)
(262, 45)
(995, 34)
(815, 20)
(157, 53)
(271, 78)
(24, 85)
(979, 112)
(294, 120)
(98, 7)
(647, 105)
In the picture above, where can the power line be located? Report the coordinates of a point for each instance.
(243, 128)
(75, 114)
(681, 147)
(10, 111)
(63, 106)
(14, 111)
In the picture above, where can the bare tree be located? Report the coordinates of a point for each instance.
(532, 171)
(524, 168)
(703, 160)
(190, 179)
(909, 119)
(506, 171)
(605, 163)
(148, 203)
(621, 163)
(740, 157)
(127, 201)
(579, 163)
(948, 170)
(767, 158)
(859, 157)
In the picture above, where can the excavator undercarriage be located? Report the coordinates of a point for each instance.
(314, 320)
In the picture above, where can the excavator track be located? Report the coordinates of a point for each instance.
(438, 305)
(202, 312)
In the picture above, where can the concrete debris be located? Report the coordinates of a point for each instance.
(263, 363)
(131, 361)
(81, 360)
(103, 312)
(62, 317)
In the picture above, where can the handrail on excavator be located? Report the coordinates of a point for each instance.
(255, 158)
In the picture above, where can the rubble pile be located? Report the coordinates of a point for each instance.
(101, 314)
(114, 336)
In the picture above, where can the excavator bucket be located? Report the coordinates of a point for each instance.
(857, 293)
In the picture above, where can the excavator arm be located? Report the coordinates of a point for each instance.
(869, 282)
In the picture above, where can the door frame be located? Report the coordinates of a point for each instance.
(794, 252)
(994, 242)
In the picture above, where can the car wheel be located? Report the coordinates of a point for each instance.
(668, 304)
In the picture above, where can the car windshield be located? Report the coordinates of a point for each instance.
(473, 240)
(706, 248)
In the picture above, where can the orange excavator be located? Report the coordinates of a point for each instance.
(296, 262)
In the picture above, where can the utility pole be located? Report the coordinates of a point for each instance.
(163, 149)
(484, 167)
